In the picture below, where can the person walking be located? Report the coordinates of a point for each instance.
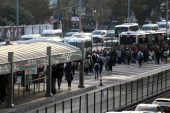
(3, 82)
(140, 57)
(68, 74)
(107, 62)
(96, 69)
(86, 65)
(54, 77)
(110, 63)
(101, 63)
(157, 55)
(165, 55)
(73, 67)
(60, 74)
(119, 54)
(128, 55)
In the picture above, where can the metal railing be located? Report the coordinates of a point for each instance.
(114, 97)
(30, 87)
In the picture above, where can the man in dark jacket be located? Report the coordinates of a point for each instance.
(3, 82)
(68, 74)
(157, 55)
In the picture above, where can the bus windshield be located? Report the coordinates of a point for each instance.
(125, 27)
(163, 26)
(119, 30)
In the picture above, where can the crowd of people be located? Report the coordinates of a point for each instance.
(126, 54)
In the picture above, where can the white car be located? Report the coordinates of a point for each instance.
(79, 38)
(131, 112)
(57, 34)
(164, 104)
(30, 36)
(98, 35)
(137, 112)
(148, 107)
(68, 35)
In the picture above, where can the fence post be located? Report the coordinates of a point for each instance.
(80, 105)
(157, 86)
(87, 103)
(101, 101)
(161, 79)
(131, 91)
(94, 102)
(137, 97)
(63, 107)
(142, 88)
(126, 94)
(46, 109)
(37, 111)
(166, 74)
(107, 99)
(120, 96)
(148, 85)
(71, 105)
(55, 108)
(113, 97)
(153, 83)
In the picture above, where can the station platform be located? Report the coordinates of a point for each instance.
(121, 73)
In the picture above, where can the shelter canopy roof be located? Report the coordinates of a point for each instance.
(38, 50)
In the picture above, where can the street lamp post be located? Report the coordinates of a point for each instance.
(17, 15)
(80, 13)
(128, 11)
(167, 18)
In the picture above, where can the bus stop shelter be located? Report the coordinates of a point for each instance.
(23, 56)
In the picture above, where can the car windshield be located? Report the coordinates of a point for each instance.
(75, 30)
(97, 33)
(162, 102)
(146, 28)
(163, 26)
(110, 35)
(68, 34)
(25, 38)
(143, 108)
(79, 36)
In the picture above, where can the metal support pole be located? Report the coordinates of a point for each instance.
(10, 85)
(101, 81)
(80, 12)
(17, 15)
(128, 11)
(49, 80)
(167, 18)
(81, 73)
(58, 8)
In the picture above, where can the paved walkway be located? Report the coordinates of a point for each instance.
(121, 73)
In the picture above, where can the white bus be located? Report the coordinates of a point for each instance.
(162, 26)
(57, 34)
(150, 27)
(125, 27)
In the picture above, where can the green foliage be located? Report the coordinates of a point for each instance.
(30, 12)
(37, 11)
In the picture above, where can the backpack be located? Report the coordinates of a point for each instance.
(140, 55)
(165, 53)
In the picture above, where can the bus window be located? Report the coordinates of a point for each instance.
(119, 30)
(133, 28)
(126, 27)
